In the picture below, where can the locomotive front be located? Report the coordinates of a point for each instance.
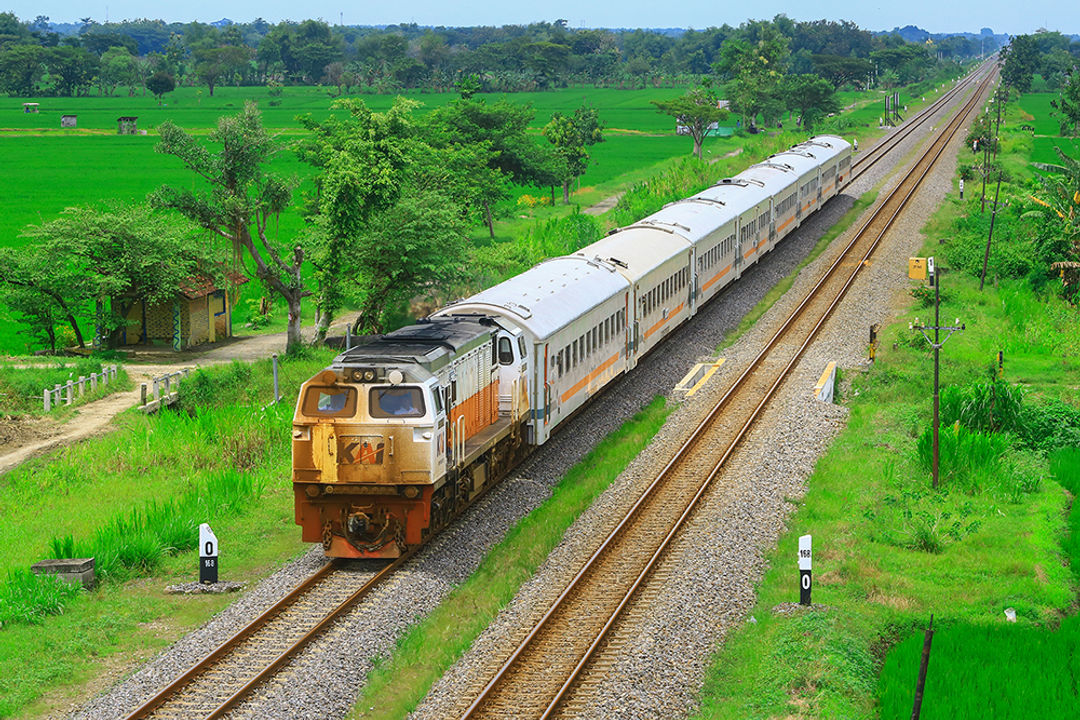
(373, 436)
(366, 452)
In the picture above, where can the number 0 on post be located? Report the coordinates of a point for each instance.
(208, 555)
(805, 581)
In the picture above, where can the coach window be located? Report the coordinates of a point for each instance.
(506, 351)
(522, 347)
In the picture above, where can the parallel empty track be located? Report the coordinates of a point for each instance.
(542, 672)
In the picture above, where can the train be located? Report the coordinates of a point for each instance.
(405, 429)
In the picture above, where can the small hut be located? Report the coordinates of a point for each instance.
(127, 125)
(68, 121)
(200, 313)
(30, 107)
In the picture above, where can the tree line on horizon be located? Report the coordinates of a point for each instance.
(35, 59)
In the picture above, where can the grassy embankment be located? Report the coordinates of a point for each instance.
(889, 551)
(21, 388)
(133, 499)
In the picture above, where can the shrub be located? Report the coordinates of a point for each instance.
(968, 460)
(1050, 425)
(984, 406)
(29, 598)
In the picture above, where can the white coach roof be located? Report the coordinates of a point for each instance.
(547, 297)
(638, 249)
(694, 218)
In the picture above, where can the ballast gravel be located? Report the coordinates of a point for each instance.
(711, 578)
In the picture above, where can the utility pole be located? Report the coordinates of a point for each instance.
(937, 343)
(990, 236)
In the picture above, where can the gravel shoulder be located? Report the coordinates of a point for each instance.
(324, 681)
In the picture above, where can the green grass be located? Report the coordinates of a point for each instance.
(395, 688)
(184, 459)
(22, 388)
(959, 686)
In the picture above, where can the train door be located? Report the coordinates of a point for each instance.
(512, 355)
(439, 445)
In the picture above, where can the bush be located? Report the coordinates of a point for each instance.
(29, 598)
(984, 406)
(1050, 425)
(967, 460)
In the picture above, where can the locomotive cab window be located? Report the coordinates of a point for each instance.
(506, 351)
(396, 401)
(330, 401)
(522, 347)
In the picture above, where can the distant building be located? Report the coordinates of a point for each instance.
(30, 107)
(68, 121)
(127, 125)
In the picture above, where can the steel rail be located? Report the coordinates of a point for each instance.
(175, 688)
(881, 149)
(699, 431)
(247, 631)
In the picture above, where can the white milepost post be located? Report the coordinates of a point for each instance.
(805, 556)
(208, 555)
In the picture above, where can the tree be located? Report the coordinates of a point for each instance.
(417, 244)
(21, 66)
(811, 97)
(212, 65)
(1019, 62)
(117, 68)
(839, 69)
(41, 287)
(752, 66)
(240, 198)
(571, 134)
(500, 131)
(696, 111)
(113, 258)
(362, 156)
(71, 69)
(160, 83)
(1067, 105)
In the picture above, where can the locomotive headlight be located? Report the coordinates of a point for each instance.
(357, 375)
(369, 375)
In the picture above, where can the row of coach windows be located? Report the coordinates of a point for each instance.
(809, 187)
(718, 252)
(763, 220)
(598, 336)
(786, 205)
(664, 291)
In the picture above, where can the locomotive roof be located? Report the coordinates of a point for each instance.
(548, 296)
(430, 342)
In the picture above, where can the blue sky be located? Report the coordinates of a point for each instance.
(933, 15)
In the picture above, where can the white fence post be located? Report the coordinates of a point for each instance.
(93, 382)
(47, 397)
(82, 385)
(69, 390)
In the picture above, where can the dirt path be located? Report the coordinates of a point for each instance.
(96, 417)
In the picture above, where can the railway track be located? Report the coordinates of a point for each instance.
(881, 149)
(540, 676)
(224, 678)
